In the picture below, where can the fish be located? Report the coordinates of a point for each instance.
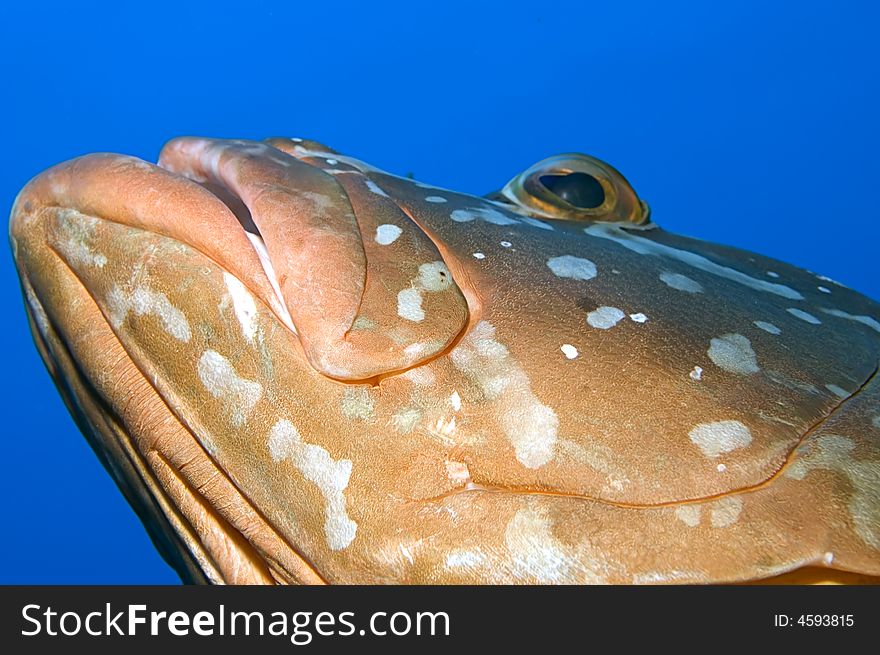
(300, 369)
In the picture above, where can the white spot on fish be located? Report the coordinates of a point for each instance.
(725, 511)
(697, 373)
(864, 320)
(437, 199)
(414, 350)
(363, 323)
(721, 437)
(828, 558)
(529, 425)
(733, 353)
(804, 316)
(421, 376)
(455, 401)
(834, 452)
(824, 289)
(604, 318)
(645, 246)
(409, 305)
(767, 327)
(538, 555)
(375, 188)
(791, 383)
(479, 255)
(243, 304)
(387, 234)
(75, 230)
(432, 277)
(689, 515)
(825, 278)
(444, 428)
(406, 419)
(569, 351)
(575, 268)
(485, 214)
(331, 161)
(317, 466)
(638, 318)
(143, 301)
(222, 381)
(465, 559)
(772, 274)
(838, 391)
(458, 472)
(534, 222)
(506, 244)
(681, 282)
(357, 403)
(319, 203)
(598, 457)
(721, 468)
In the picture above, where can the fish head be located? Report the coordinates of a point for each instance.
(301, 368)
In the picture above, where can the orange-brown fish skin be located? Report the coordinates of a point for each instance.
(399, 383)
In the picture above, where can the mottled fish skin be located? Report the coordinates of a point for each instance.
(400, 383)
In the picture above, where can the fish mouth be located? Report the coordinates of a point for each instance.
(314, 221)
(298, 232)
(194, 510)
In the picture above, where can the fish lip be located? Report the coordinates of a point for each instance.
(319, 257)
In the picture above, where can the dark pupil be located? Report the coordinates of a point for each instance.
(578, 189)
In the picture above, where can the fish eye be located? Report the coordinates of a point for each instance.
(580, 190)
(577, 187)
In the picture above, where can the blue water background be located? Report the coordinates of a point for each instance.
(749, 123)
